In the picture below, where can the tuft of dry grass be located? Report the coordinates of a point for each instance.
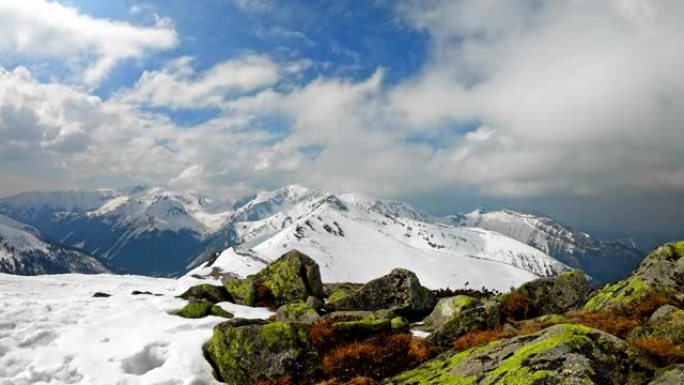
(378, 357)
(516, 307)
(358, 380)
(612, 323)
(477, 338)
(322, 335)
(660, 349)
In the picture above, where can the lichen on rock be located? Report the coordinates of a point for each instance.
(200, 309)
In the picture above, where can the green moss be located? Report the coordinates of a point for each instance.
(297, 312)
(618, 294)
(399, 324)
(243, 291)
(513, 370)
(679, 247)
(220, 312)
(338, 294)
(198, 309)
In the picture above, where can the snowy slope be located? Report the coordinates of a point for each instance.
(605, 261)
(23, 250)
(354, 238)
(52, 331)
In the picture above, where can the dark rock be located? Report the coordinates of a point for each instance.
(399, 291)
(556, 295)
(466, 321)
(211, 293)
(297, 312)
(101, 295)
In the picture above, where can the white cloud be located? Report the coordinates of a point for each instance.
(48, 29)
(179, 86)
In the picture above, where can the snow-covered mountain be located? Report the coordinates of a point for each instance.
(140, 230)
(356, 239)
(604, 261)
(24, 251)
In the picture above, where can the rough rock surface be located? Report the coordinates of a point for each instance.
(468, 320)
(211, 293)
(556, 295)
(399, 291)
(448, 308)
(200, 309)
(662, 272)
(561, 354)
(292, 277)
(667, 322)
(297, 312)
(244, 353)
(670, 376)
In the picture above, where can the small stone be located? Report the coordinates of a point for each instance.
(314, 302)
(101, 295)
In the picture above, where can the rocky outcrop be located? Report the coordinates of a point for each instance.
(292, 277)
(399, 291)
(243, 353)
(666, 323)
(556, 295)
(561, 354)
(662, 272)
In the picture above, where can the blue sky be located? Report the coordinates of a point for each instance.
(435, 101)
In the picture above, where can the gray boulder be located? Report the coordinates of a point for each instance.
(399, 291)
(556, 295)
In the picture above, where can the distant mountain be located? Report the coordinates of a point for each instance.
(604, 261)
(25, 251)
(354, 238)
(139, 230)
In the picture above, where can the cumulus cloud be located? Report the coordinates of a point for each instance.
(179, 86)
(48, 29)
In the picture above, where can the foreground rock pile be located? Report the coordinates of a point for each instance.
(549, 331)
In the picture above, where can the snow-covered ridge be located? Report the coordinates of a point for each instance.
(354, 238)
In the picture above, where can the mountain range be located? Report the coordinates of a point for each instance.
(154, 231)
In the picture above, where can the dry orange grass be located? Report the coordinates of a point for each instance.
(376, 358)
(660, 349)
(285, 380)
(358, 380)
(477, 338)
(516, 307)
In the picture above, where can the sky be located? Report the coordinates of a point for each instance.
(574, 108)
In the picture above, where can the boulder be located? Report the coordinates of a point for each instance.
(200, 309)
(670, 376)
(245, 353)
(297, 312)
(211, 293)
(290, 278)
(560, 354)
(399, 291)
(466, 321)
(314, 302)
(448, 308)
(555, 295)
(661, 272)
(666, 323)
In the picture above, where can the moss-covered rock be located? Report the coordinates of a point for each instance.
(399, 291)
(292, 277)
(243, 291)
(297, 312)
(554, 295)
(665, 323)
(661, 272)
(448, 308)
(243, 354)
(561, 354)
(671, 376)
(211, 293)
(465, 321)
(339, 294)
(200, 309)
